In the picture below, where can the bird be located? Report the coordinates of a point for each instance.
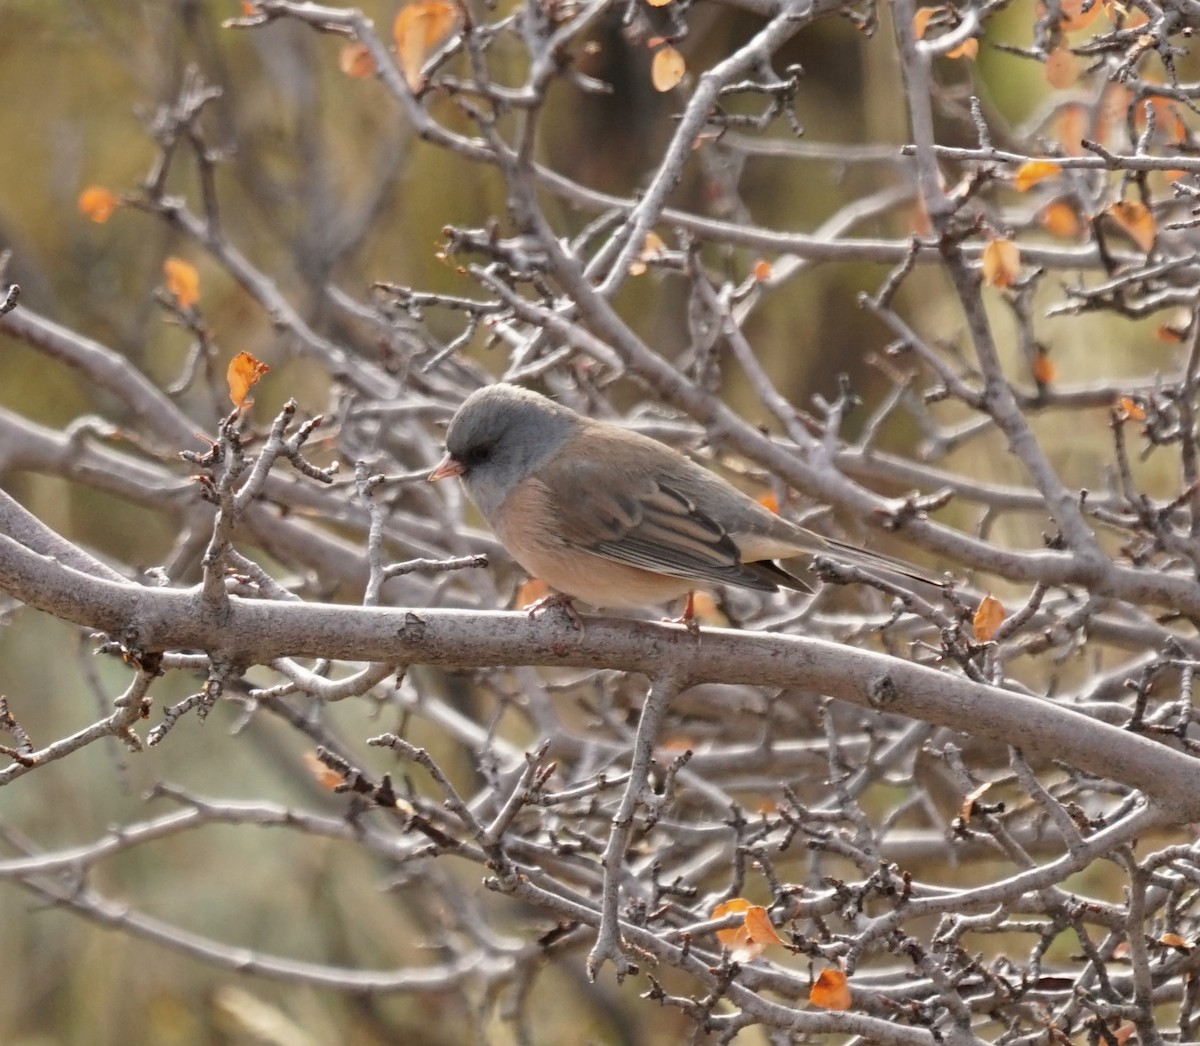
(613, 518)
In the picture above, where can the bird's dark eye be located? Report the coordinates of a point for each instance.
(477, 455)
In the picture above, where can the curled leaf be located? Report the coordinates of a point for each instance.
(737, 938)
(183, 281)
(1044, 371)
(1001, 262)
(921, 20)
(1033, 171)
(1059, 219)
(831, 991)
(759, 928)
(667, 69)
(419, 29)
(987, 619)
(244, 371)
(355, 61)
(97, 203)
(1137, 221)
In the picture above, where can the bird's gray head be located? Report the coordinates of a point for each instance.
(499, 435)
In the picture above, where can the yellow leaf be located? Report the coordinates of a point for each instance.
(667, 69)
(244, 371)
(987, 619)
(356, 61)
(418, 30)
(1135, 218)
(1033, 171)
(1001, 263)
(183, 281)
(97, 203)
(831, 991)
(1044, 371)
(969, 48)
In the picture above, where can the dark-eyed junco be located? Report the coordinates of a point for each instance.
(612, 517)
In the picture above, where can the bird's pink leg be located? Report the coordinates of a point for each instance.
(556, 599)
(688, 617)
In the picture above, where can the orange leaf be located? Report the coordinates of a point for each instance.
(735, 904)
(418, 30)
(969, 48)
(97, 203)
(244, 371)
(1043, 369)
(831, 991)
(1059, 219)
(1001, 263)
(326, 776)
(1135, 218)
(183, 281)
(1073, 16)
(1131, 409)
(1124, 1033)
(769, 501)
(759, 928)
(762, 270)
(1061, 68)
(1169, 334)
(356, 61)
(658, 3)
(1071, 126)
(922, 18)
(987, 618)
(1033, 171)
(667, 69)
(1173, 940)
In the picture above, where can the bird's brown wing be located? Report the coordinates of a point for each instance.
(646, 523)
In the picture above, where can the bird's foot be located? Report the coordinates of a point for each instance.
(688, 617)
(556, 599)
